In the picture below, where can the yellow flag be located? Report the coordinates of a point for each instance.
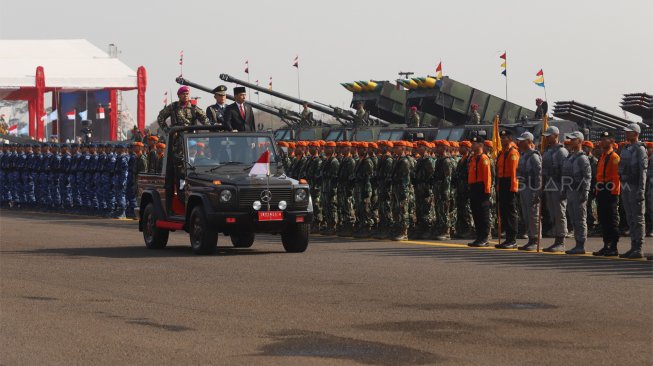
(545, 125)
(496, 140)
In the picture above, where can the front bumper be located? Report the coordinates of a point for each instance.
(248, 221)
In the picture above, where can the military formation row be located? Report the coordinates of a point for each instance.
(90, 178)
(442, 189)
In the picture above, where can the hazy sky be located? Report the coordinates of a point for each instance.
(591, 51)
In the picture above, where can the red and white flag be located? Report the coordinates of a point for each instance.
(71, 115)
(13, 130)
(181, 57)
(295, 63)
(262, 165)
(270, 83)
(246, 66)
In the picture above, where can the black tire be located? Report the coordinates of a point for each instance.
(295, 238)
(203, 238)
(242, 240)
(154, 237)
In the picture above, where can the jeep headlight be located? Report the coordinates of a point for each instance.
(225, 196)
(283, 205)
(256, 205)
(300, 195)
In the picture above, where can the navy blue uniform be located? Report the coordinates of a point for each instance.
(54, 179)
(65, 187)
(120, 183)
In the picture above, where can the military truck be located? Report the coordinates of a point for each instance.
(210, 189)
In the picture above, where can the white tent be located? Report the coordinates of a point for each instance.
(68, 64)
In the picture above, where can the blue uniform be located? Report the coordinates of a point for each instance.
(44, 180)
(91, 189)
(28, 179)
(120, 183)
(74, 187)
(107, 181)
(99, 184)
(3, 177)
(81, 179)
(54, 180)
(131, 193)
(64, 182)
(19, 166)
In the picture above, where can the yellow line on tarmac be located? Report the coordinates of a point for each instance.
(453, 245)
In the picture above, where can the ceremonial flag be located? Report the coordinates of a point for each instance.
(71, 115)
(54, 115)
(295, 63)
(504, 64)
(438, 71)
(181, 57)
(496, 140)
(270, 83)
(13, 130)
(262, 165)
(246, 66)
(83, 114)
(540, 78)
(256, 92)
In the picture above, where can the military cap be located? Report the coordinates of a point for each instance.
(220, 90)
(589, 144)
(239, 90)
(373, 145)
(301, 144)
(66, 146)
(480, 139)
(505, 133)
(551, 130)
(422, 143)
(466, 143)
(138, 143)
(633, 127)
(154, 138)
(314, 144)
(160, 145)
(443, 143)
(120, 146)
(488, 143)
(92, 145)
(346, 144)
(331, 144)
(607, 134)
(574, 135)
(363, 144)
(291, 145)
(183, 89)
(282, 143)
(649, 144)
(526, 136)
(389, 143)
(454, 143)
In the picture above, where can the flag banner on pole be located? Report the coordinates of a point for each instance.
(262, 165)
(83, 115)
(545, 125)
(540, 78)
(496, 140)
(503, 56)
(181, 57)
(13, 130)
(295, 63)
(504, 64)
(438, 71)
(246, 66)
(71, 115)
(256, 92)
(53, 116)
(270, 83)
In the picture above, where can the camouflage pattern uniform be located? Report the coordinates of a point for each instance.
(442, 193)
(591, 199)
(329, 179)
(363, 175)
(187, 115)
(346, 212)
(464, 227)
(384, 194)
(424, 196)
(413, 120)
(402, 192)
(313, 169)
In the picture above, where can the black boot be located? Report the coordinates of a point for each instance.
(557, 247)
(635, 252)
(531, 246)
(601, 252)
(578, 249)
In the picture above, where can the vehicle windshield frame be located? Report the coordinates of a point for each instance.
(212, 162)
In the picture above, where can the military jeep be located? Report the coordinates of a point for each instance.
(206, 189)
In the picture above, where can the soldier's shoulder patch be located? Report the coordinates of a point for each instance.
(486, 161)
(615, 161)
(514, 157)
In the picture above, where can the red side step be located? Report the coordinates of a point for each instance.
(169, 225)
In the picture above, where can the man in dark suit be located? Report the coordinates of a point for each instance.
(239, 116)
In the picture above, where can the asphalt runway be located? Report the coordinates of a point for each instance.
(83, 290)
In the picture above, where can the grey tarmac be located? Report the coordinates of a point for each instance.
(82, 290)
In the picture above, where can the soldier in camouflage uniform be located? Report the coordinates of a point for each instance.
(363, 176)
(372, 152)
(329, 180)
(402, 190)
(588, 148)
(442, 172)
(488, 148)
(464, 228)
(181, 113)
(423, 193)
(298, 169)
(384, 189)
(346, 212)
(413, 118)
(312, 174)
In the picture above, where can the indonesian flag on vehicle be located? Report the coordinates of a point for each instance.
(71, 115)
(262, 165)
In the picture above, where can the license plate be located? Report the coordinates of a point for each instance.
(270, 215)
